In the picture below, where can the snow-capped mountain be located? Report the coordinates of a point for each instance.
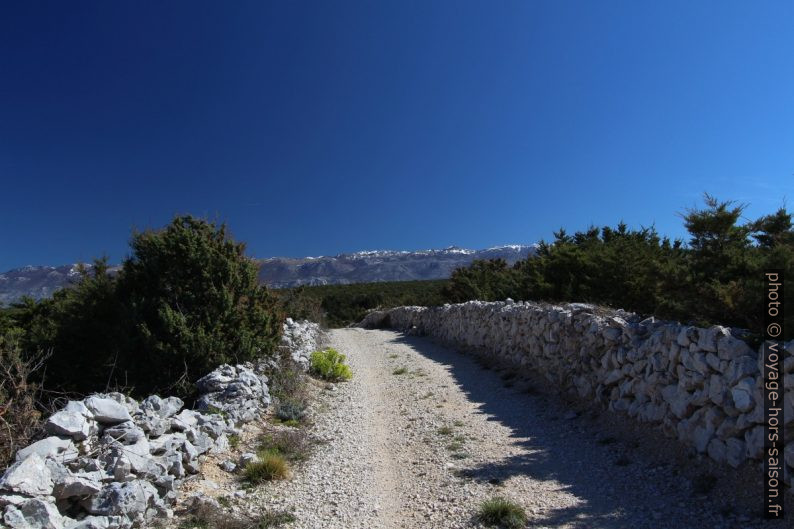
(281, 272)
(380, 265)
(35, 281)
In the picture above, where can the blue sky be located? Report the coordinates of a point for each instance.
(314, 128)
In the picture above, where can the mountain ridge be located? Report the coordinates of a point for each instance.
(283, 272)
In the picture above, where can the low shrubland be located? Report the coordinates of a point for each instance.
(715, 278)
(186, 300)
(341, 305)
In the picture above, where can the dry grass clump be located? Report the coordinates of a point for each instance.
(294, 445)
(210, 515)
(20, 413)
(270, 467)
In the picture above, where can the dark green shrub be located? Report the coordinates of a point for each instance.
(195, 301)
(330, 365)
(714, 279)
(341, 305)
(186, 300)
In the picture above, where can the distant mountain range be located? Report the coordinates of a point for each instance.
(282, 272)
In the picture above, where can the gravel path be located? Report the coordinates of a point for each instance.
(422, 435)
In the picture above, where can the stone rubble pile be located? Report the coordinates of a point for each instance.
(701, 385)
(110, 462)
(301, 339)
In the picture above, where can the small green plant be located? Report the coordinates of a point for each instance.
(445, 430)
(270, 467)
(330, 365)
(501, 512)
(290, 410)
(393, 355)
(454, 446)
(234, 441)
(458, 423)
(399, 371)
(214, 410)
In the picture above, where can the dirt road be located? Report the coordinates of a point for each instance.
(422, 435)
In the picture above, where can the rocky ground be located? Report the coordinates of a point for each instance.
(422, 435)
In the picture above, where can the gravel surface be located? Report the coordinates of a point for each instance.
(422, 435)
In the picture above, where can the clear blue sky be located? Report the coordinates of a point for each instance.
(314, 128)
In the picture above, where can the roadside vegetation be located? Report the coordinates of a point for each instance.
(186, 300)
(21, 403)
(501, 512)
(341, 305)
(329, 364)
(211, 516)
(715, 278)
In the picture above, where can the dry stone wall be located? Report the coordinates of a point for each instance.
(701, 385)
(111, 462)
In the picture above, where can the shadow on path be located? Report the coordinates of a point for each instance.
(616, 487)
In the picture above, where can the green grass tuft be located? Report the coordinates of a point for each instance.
(399, 371)
(271, 466)
(501, 512)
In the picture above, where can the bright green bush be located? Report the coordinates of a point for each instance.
(330, 365)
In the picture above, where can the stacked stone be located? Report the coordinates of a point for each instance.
(110, 462)
(300, 339)
(701, 385)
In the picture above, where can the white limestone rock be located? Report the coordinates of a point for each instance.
(29, 476)
(107, 411)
